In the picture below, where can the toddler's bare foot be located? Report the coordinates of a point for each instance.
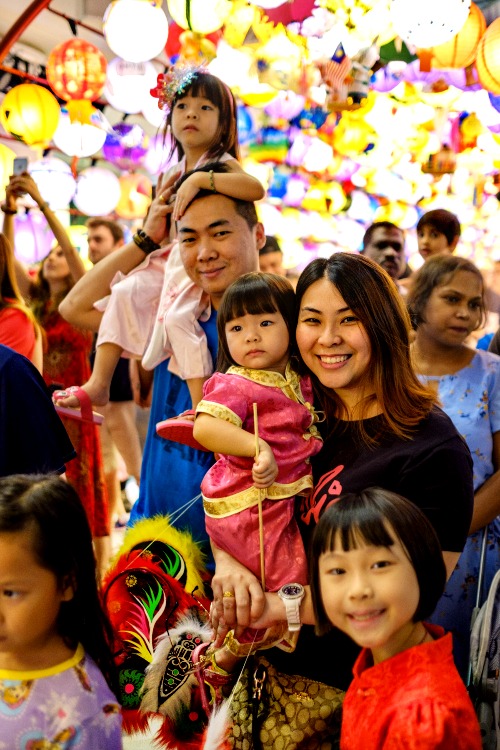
(98, 395)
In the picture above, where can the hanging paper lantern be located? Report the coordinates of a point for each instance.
(488, 58)
(34, 237)
(97, 191)
(55, 181)
(30, 113)
(152, 113)
(135, 30)
(128, 85)
(76, 69)
(460, 51)
(126, 147)
(289, 12)
(427, 23)
(7, 157)
(245, 124)
(173, 45)
(135, 196)
(202, 16)
(76, 138)
(285, 106)
(158, 157)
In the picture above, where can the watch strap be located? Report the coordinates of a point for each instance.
(144, 243)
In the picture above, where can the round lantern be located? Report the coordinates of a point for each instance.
(30, 113)
(126, 147)
(488, 58)
(76, 69)
(7, 157)
(460, 51)
(55, 181)
(76, 138)
(427, 23)
(158, 157)
(135, 196)
(128, 85)
(205, 16)
(34, 237)
(135, 30)
(97, 191)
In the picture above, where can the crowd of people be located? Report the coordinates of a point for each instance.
(354, 427)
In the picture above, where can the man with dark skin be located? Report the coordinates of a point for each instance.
(384, 243)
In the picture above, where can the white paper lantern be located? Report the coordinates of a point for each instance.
(152, 113)
(97, 191)
(55, 181)
(128, 84)
(427, 23)
(135, 30)
(76, 138)
(158, 155)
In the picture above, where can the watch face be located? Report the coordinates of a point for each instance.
(293, 589)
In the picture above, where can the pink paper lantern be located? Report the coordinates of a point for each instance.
(34, 237)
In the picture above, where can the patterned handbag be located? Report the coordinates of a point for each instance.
(271, 710)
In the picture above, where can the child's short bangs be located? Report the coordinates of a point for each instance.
(367, 529)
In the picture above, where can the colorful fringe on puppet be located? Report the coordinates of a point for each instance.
(157, 577)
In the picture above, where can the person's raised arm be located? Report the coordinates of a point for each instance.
(235, 184)
(24, 183)
(9, 208)
(78, 305)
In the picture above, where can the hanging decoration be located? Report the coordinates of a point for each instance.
(30, 113)
(128, 84)
(135, 30)
(97, 191)
(126, 147)
(460, 51)
(76, 69)
(135, 196)
(201, 16)
(488, 58)
(54, 180)
(34, 238)
(427, 23)
(75, 138)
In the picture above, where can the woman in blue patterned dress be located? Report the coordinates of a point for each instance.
(447, 303)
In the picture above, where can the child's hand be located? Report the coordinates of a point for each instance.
(185, 195)
(265, 469)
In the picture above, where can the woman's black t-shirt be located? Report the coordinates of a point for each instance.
(433, 470)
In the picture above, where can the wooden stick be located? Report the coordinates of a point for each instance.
(261, 521)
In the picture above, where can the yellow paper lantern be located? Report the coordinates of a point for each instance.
(76, 69)
(202, 16)
(460, 51)
(135, 196)
(30, 113)
(488, 58)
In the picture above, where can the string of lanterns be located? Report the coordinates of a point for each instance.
(319, 149)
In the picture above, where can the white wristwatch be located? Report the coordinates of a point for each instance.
(292, 595)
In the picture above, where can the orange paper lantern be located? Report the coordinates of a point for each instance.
(488, 58)
(76, 69)
(135, 197)
(30, 113)
(460, 51)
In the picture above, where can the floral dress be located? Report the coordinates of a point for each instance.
(66, 362)
(471, 398)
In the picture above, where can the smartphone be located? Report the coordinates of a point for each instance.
(20, 165)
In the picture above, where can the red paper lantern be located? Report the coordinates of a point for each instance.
(488, 58)
(76, 69)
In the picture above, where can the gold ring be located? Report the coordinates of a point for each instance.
(228, 595)
(161, 198)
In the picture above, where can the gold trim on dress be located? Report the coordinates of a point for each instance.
(219, 411)
(221, 507)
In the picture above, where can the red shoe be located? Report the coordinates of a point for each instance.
(180, 430)
(84, 413)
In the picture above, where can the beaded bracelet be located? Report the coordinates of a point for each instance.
(8, 211)
(212, 183)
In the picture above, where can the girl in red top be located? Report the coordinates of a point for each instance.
(376, 572)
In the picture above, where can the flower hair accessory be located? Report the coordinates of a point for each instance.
(174, 82)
